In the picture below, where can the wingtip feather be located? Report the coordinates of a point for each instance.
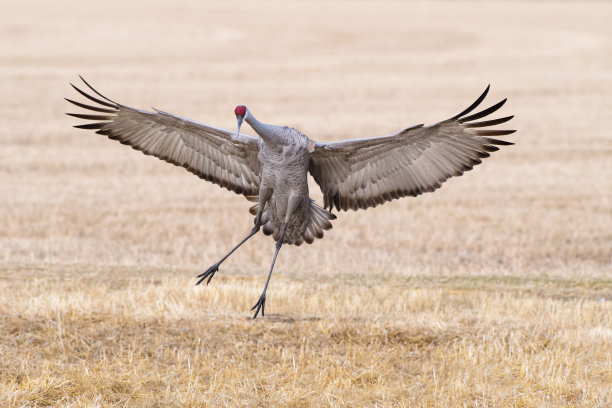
(101, 102)
(98, 93)
(483, 113)
(474, 105)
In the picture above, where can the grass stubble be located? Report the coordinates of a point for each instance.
(494, 291)
(129, 336)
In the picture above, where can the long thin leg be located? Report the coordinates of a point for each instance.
(264, 196)
(210, 272)
(261, 303)
(292, 205)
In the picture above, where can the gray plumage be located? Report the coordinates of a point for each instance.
(272, 169)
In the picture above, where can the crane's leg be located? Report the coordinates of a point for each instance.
(261, 303)
(210, 272)
(291, 207)
(264, 196)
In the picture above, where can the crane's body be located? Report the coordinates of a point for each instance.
(272, 169)
(284, 162)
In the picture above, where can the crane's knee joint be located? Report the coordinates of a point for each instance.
(279, 243)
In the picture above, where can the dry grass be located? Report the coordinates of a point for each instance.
(494, 291)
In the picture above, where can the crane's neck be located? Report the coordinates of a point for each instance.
(265, 131)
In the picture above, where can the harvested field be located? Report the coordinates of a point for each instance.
(494, 291)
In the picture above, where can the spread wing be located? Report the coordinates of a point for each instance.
(214, 154)
(362, 173)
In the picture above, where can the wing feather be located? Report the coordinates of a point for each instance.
(362, 173)
(214, 154)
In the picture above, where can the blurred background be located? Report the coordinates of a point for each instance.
(333, 70)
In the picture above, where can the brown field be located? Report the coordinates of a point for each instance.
(496, 291)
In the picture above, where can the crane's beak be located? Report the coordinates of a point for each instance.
(240, 120)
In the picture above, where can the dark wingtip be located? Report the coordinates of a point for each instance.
(93, 108)
(497, 142)
(98, 93)
(484, 113)
(90, 117)
(501, 132)
(486, 123)
(91, 98)
(97, 125)
(474, 105)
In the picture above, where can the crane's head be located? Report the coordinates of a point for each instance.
(241, 113)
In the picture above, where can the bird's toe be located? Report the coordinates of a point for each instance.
(210, 272)
(260, 305)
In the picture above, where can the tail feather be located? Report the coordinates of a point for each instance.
(320, 220)
(308, 237)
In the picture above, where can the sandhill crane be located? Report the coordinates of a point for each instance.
(272, 169)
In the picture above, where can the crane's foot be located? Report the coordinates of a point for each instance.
(208, 274)
(261, 304)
